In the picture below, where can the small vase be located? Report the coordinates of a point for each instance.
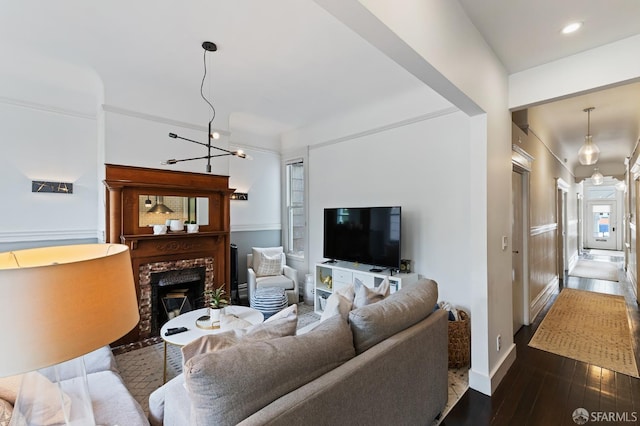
(176, 225)
(214, 314)
(192, 227)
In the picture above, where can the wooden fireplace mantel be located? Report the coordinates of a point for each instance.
(125, 185)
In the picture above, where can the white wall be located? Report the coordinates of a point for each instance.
(436, 42)
(48, 121)
(423, 167)
(610, 64)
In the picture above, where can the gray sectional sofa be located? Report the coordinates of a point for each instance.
(383, 363)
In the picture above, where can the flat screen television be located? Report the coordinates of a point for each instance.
(368, 235)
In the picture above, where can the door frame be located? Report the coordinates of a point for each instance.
(522, 162)
(562, 251)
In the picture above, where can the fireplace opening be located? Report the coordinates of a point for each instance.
(175, 292)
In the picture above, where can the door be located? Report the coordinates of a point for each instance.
(601, 225)
(517, 225)
(561, 204)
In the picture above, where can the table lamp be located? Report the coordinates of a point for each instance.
(61, 303)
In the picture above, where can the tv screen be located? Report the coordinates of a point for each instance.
(368, 235)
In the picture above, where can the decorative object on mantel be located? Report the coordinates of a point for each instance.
(589, 152)
(192, 226)
(240, 196)
(176, 225)
(54, 187)
(159, 229)
(208, 47)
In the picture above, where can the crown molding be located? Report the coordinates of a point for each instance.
(46, 108)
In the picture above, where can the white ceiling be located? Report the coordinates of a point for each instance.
(283, 64)
(525, 34)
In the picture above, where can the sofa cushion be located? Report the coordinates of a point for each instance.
(281, 281)
(111, 401)
(6, 410)
(373, 323)
(228, 385)
(283, 326)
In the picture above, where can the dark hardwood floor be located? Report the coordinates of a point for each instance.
(544, 389)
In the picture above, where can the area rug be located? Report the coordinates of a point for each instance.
(594, 269)
(589, 327)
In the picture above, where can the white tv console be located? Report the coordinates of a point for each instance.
(344, 273)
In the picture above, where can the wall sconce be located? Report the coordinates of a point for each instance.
(243, 196)
(54, 187)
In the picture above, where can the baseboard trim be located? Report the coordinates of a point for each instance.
(488, 384)
(539, 303)
(634, 283)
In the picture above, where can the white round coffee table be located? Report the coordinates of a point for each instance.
(188, 321)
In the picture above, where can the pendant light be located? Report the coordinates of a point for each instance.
(148, 203)
(596, 177)
(208, 47)
(589, 152)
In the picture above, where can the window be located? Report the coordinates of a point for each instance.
(296, 222)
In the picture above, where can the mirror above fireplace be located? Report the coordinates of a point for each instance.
(154, 209)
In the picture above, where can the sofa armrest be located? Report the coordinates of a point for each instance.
(251, 282)
(292, 274)
(169, 404)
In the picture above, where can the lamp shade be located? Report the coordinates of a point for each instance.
(63, 302)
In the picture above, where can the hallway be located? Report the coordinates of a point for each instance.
(542, 388)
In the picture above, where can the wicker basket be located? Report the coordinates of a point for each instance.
(460, 341)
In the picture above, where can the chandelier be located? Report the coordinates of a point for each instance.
(208, 47)
(589, 152)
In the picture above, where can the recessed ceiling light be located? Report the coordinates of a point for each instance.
(572, 27)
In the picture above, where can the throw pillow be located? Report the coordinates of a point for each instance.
(337, 304)
(269, 265)
(232, 322)
(285, 326)
(365, 296)
(227, 386)
(347, 291)
(374, 323)
(290, 313)
(6, 410)
(39, 394)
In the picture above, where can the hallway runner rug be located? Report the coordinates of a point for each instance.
(594, 269)
(589, 327)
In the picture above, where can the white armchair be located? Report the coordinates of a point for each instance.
(266, 267)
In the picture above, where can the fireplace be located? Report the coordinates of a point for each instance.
(160, 279)
(151, 254)
(173, 293)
